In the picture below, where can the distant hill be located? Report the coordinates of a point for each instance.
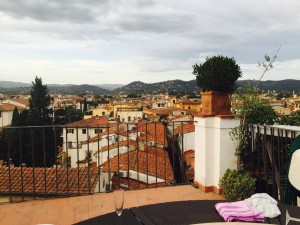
(11, 84)
(171, 86)
(288, 85)
(59, 89)
(78, 89)
(109, 87)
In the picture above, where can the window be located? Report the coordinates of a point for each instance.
(84, 131)
(98, 131)
(103, 113)
(70, 131)
(88, 154)
(189, 107)
(70, 144)
(0, 114)
(174, 101)
(129, 118)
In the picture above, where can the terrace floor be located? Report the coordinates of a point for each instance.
(66, 211)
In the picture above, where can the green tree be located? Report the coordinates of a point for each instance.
(34, 144)
(84, 105)
(40, 113)
(15, 117)
(250, 109)
(72, 115)
(292, 120)
(67, 115)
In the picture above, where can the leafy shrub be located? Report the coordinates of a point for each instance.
(237, 185)
(218, 73)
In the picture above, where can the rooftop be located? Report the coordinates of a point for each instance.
(66, 211)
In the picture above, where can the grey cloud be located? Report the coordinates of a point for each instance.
(58, 10)
(155, 23)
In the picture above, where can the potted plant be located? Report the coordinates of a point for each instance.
(216, 77)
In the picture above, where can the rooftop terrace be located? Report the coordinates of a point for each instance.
(66, 211)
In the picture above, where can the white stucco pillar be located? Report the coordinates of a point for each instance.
(214, 150)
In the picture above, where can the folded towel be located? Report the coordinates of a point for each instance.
(239, 211)
(265, 204)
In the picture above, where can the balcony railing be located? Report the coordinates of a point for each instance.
(267, 156)
(38, 162)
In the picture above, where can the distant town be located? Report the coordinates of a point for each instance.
(108, 131)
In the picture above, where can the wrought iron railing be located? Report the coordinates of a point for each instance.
(267, 157)
(57, 161)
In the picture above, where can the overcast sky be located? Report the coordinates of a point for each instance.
(118, 42)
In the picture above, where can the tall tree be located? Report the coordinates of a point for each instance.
(40, 113)
(15, 117)
(34, 144)
(84, 105)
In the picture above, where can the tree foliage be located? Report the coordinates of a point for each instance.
(251, 109)
(85, 105)
(217, 73)
(67, 115)
(28, 140)
(292, 120)
(39, 102)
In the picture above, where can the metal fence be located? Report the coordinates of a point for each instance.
(56, 161)
(267, 157)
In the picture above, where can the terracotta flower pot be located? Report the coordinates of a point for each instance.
(215, 103)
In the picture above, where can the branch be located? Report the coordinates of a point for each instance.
(268, 64)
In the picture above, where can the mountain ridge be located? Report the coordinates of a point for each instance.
(138, 87)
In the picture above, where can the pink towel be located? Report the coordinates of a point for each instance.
(239, 211)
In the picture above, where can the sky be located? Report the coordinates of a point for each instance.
(121, 41)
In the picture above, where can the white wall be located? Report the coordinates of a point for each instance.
(6, 118)
(188, 141)
(214, 149)
(124, 115)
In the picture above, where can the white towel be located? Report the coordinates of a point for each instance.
(265, 204)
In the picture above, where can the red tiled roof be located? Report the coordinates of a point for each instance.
(93, 121)
(22, 101)
(154, 162)
(153, 132)
(185, 128)
(66, 180)
(148, 131)
(118, 144)
(9, 107)
(189, 158)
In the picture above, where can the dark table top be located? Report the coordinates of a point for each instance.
(127, 218)
(178, 213)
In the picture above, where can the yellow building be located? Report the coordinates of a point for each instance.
(188, 104)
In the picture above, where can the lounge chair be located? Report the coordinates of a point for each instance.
(293, 174)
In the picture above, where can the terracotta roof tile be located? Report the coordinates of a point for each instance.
(185, 128)
(154, 162)
(147, 131)
(65, 183)
(93, 121)
(9, 107)
(24, 101)
(118, 144)
(153, 132)
(189, 159)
